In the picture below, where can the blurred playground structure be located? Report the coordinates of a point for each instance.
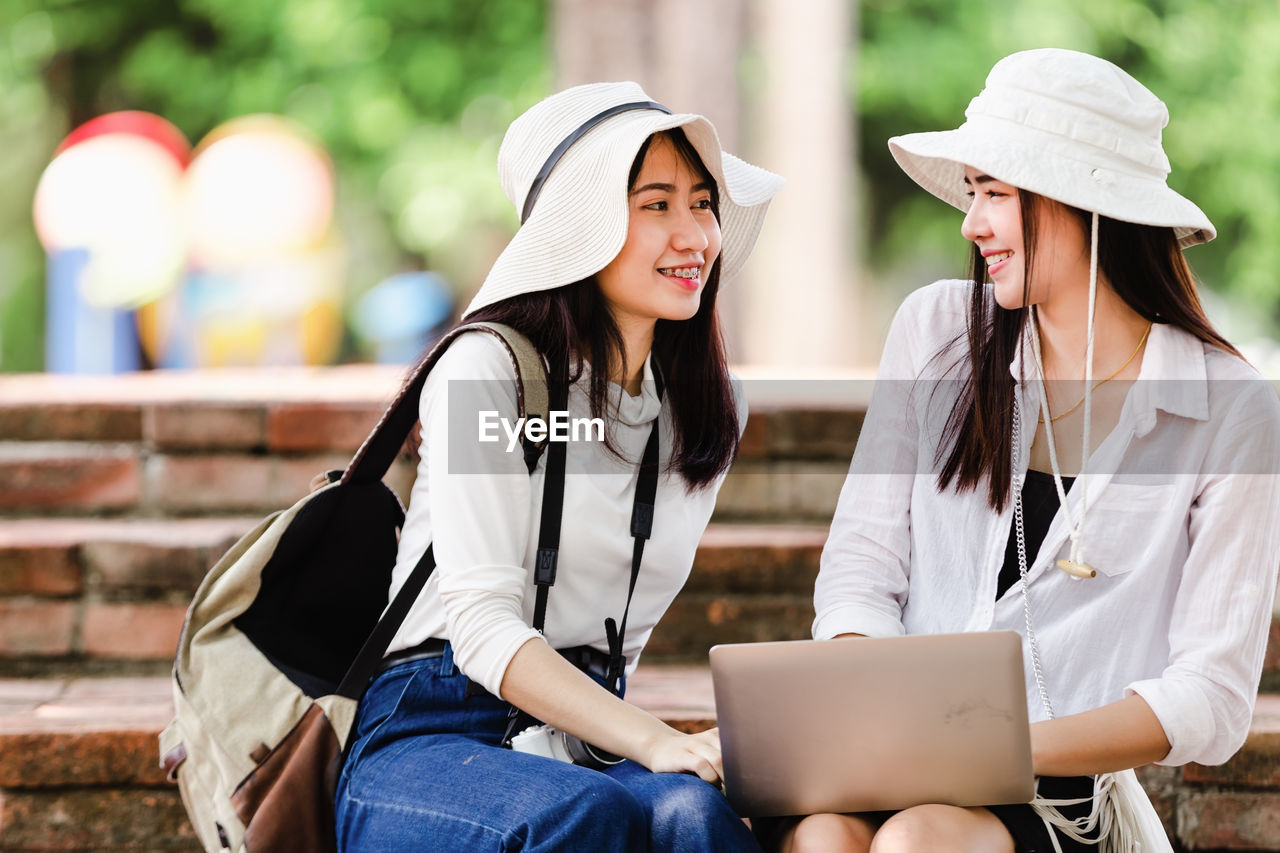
(221, 255)
(340, 201)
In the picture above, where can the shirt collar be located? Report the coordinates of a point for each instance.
(633, 411)
(1173, 375)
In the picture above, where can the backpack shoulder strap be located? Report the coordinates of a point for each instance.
(379, 450)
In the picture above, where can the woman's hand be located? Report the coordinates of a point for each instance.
(698, 754)
(551, 689)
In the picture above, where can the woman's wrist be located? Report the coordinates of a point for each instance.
(1116, 736)
(641, 737)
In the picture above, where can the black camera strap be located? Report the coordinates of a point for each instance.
(641, 529)
(544, 570)
(544, 575)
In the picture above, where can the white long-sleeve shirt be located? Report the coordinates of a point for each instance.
(1183, 529)
(481, 508)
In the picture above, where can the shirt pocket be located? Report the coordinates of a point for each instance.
(1131, 526)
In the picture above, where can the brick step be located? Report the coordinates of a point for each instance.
(334, 407)
(67, 556)
(124, 479)
(78, 767)
(750, 583)
(64, 556)
(78, 758)
(228, 441)
(87, 596)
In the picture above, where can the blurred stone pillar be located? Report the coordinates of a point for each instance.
(803, 306)
(774, 78)
(685, 53)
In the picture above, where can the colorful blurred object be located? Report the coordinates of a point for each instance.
(108, 211)
(83, 337)
(284, 312)
(264, 284)
(402, 315)
(221, 256)
(117, 194)
(133, 123)
(257, 186)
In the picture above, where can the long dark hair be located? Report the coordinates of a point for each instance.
(1147, 270)
(573, 322)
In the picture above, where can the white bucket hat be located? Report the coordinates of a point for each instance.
(1068, 126)
(577, 147)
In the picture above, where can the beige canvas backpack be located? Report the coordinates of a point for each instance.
(285, 632)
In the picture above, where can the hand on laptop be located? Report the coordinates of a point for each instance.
(698, 754)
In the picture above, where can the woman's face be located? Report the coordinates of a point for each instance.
(994, 225)
(673, 239)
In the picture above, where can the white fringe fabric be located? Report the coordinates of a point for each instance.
(1122, 819)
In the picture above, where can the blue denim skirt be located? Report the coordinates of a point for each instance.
(425, 770)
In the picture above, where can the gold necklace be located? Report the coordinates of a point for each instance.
(1131, 357)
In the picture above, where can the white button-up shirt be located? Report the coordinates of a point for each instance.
(478, 504)
(1183, 528)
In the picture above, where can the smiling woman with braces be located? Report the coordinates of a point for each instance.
(556, 559)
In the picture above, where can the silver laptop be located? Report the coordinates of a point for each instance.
(855, 725)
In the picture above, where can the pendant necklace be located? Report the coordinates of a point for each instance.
(1142, 340)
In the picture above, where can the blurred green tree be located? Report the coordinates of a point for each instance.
(1215, 63)
(411, 98)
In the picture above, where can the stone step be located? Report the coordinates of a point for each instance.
(78, 767)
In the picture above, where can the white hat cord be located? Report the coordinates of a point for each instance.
(1120, 818)
(1075, 527)
(1073, 566)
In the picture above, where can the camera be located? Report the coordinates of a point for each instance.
(550, 742)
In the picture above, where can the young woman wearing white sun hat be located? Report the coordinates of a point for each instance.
(632, 218)
(1078, 369)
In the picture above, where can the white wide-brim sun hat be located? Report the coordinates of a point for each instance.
(1065, 125)
(578, 221)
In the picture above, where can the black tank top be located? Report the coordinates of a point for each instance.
(1039, 506)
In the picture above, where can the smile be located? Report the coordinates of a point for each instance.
(686, 277)
(996, 260)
